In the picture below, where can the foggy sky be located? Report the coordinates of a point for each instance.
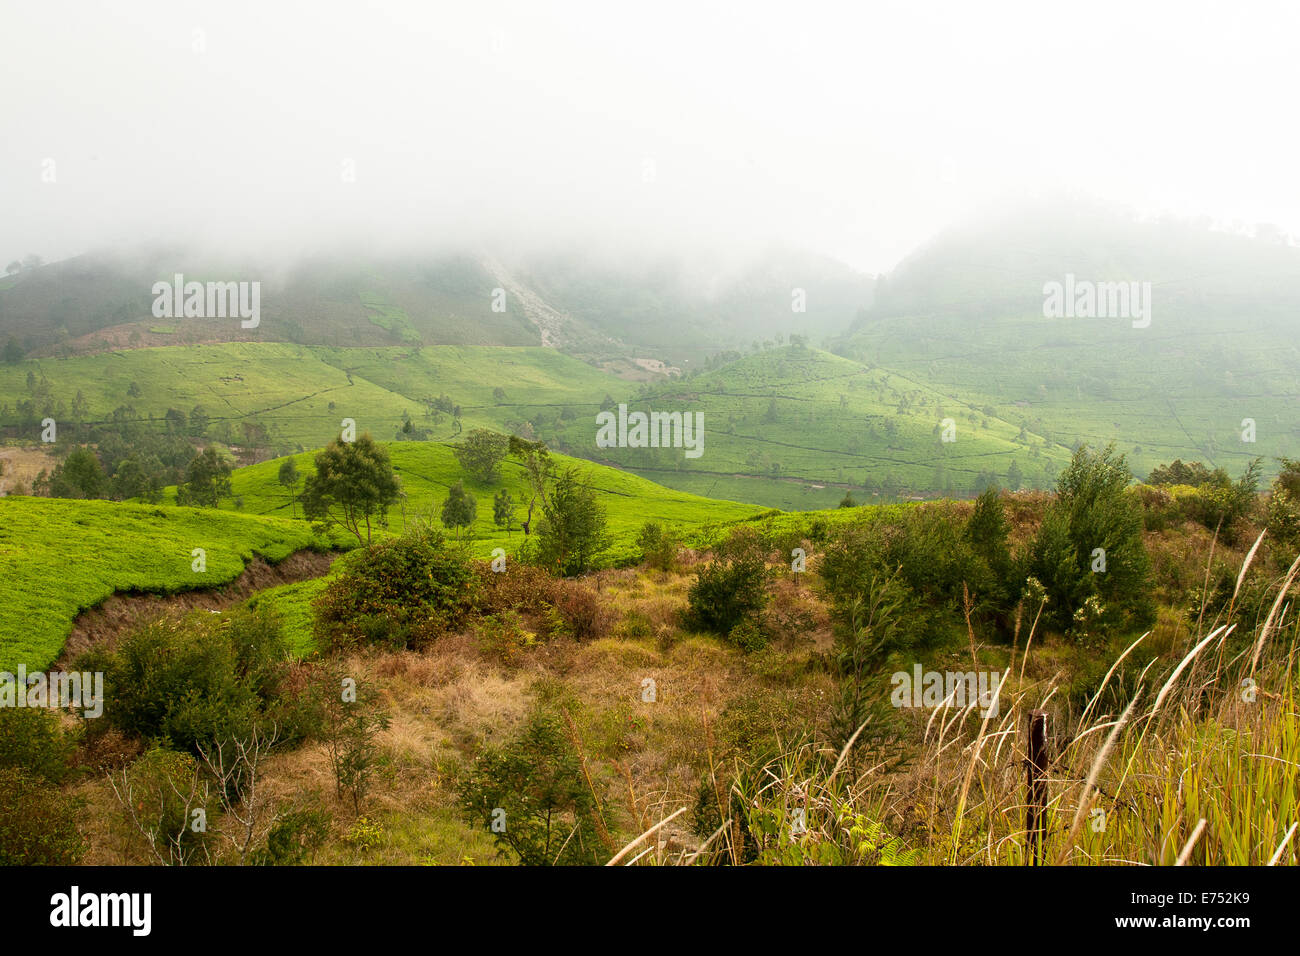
(855, 130)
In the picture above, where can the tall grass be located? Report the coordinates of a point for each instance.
(1193, 758)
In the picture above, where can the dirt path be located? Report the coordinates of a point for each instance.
(102, 625)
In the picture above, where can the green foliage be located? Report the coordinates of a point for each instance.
(1220, 506)
(207, 480)
(730, 589)
(289, 477)
(534, 788)
(1093, 524)
(928, 555)
(870, 631)
(572, 533)
(294, 839)
(658, 546)
(402, 592)
(1177, 473)
(481, 452)
(354, 485)
(192, 680)
(80, 475)
(350, 720)
(503, 510)
(38, 822)
(459, 510)
(159, 793)
(32, 740)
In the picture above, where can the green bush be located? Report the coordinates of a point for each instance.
(1093, 520)
(194, 679)
(400, 593)
(729, 590)
(32, 740)
(535, 790)
(38, 822)
(658, 546)
(928, 555)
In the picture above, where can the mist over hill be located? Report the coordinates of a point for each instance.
(609, 308)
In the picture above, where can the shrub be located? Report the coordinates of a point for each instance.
(571, 535)
(1093, 516)
(38, 823)
(748, 635)
(503, 636)
(1283, 517)
(926, 552)
(194, 679)
(727, 591)
(294, 838)
(158, 794)
(534, 789)
(31, 740)
(586, 615)
(401, 593)
(658, 546)
(520, 587)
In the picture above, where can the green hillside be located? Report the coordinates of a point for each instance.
(59, 557)
(965, 315)
(300, 394)
(780, 422)
(428, 469)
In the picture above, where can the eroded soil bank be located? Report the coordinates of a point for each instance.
(103, 624)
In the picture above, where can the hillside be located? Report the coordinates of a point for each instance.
(294, 396)
(428, 469)
(965, 315)
(796, 427)
(676, 310)
(59, 557)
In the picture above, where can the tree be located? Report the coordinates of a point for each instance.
(198, 421)
(847, 501)
(13, 353)
(175, 421)
(13, 268)
(1177, 473)
(459, 510)
(534, 794)
(482, 452)
(207, 480)
(538, 471)
(503, 510)
(1090, 542)
(80, 475)
(572, 534)
(354, 485)
(1015, 478)
(289, 478)
(133, 480)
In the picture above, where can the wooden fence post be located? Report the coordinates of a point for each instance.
(1037, 785)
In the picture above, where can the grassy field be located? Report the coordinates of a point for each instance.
(428, 469)
(59, 557)
(781, 421)
(301, 394)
